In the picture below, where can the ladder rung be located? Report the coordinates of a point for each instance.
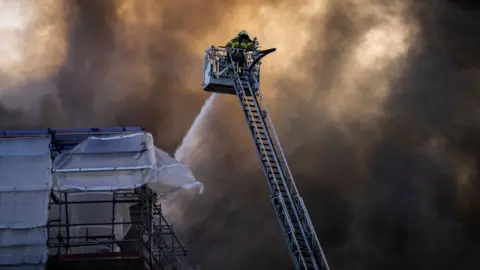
(251, 110)
(270, 156)
(274, 168)
(261, 142)
(277, 174)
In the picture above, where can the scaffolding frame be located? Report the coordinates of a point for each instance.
(154, 240)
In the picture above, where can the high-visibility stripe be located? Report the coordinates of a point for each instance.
(233, 43)
(246, 45)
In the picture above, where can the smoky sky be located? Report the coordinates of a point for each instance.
(401, 195)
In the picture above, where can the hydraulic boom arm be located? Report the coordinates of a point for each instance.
(222, 75)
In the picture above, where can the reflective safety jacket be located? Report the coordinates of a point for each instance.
(246, 44)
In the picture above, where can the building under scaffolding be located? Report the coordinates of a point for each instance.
(87, 199)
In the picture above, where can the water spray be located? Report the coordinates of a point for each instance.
(192, 138)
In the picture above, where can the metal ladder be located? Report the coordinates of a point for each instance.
(289, 206)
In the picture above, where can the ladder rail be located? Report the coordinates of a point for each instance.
(298, 200)
(276, 194)
(250, 116)
(283, 179)
(240, 89)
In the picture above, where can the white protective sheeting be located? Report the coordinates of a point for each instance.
(169, 175)
(121, 162)
(25, 185)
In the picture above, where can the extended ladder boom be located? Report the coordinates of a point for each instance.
(289, 207)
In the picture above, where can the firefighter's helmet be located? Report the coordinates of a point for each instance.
(243, 33)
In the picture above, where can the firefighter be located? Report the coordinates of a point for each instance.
(242, 41)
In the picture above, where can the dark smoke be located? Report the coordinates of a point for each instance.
(164, 108)
(402, 196)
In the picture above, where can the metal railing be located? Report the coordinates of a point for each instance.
(218, 63)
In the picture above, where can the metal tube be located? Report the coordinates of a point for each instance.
(113, 220)
(67, 223)
(102, 201)
(104, 169)
(150, 225)
(96, 224)
(99, 243)
(107, 236)
(105, 153)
